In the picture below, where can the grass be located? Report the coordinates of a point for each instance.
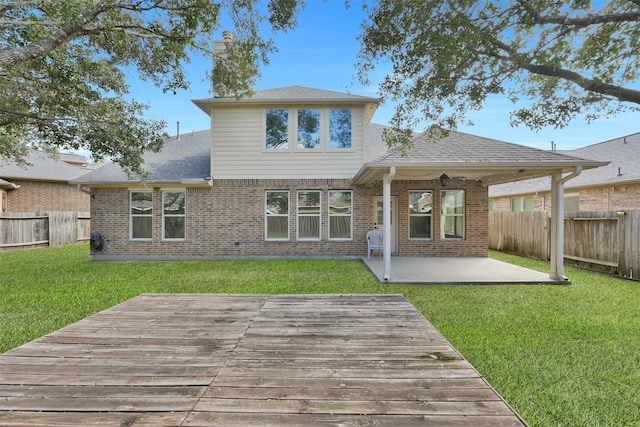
(560, 355)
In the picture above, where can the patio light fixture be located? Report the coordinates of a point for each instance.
(444, 179)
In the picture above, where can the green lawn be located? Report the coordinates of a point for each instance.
(560, 355)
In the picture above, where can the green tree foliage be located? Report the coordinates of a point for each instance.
(63, 66)
(560, 58)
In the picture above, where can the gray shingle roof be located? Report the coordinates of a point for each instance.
(295, 94)
(623, 153)
(42, 167)
(187, 158)
(468, 157)
(459, 147)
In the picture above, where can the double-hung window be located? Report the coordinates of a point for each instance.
(309, 209)
(452, 214)
(276, 215)
(340, 215)
(173, 215)
(420, 214)
(141, 215)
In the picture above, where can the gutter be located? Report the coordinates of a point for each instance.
(577, 171)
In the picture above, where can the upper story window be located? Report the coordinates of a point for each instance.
(308, 128)
(141, 215)
(339, 128)
(305, 129)
(277, 129)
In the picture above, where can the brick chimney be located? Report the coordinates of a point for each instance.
(222, 66)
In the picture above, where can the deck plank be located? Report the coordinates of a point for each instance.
(225, 360)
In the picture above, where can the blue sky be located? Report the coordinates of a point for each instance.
(321, 53)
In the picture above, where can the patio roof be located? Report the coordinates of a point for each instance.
(468, 157)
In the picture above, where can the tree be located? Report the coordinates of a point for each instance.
(63, 66)
(565, 57)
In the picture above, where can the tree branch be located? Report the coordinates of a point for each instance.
(618, 92)
(36, 50)
(582, 21)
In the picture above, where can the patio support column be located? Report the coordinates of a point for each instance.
(386, 220)
(557, 223)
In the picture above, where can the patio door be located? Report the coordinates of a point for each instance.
(378, 221)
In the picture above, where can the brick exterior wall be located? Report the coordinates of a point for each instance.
(38, 196)
(611, 198)
(227, 220)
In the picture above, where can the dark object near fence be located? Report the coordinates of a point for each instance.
(97, 241)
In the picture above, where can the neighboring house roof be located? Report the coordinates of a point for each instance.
(40, 167)
(298, 95)
(181, 160)
(6, 185)
(623, 154)
(465, 156)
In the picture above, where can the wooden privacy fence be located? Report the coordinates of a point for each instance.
(20, 230)
(603, 241)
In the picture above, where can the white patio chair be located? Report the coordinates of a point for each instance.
(374, 242)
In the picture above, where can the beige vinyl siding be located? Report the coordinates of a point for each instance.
(238, 152)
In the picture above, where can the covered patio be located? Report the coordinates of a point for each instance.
(456, 271)
(459, 159)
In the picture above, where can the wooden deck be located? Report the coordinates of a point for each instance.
(229, 360)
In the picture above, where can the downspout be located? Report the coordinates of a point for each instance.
(557, 223)
(386, 219)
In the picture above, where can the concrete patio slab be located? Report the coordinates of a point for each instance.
(449, 270)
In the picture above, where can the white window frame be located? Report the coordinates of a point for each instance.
(274, 215)
(318, 215)
(444, 215)
(292, 131)
(328, 130)
(296, 124)
(420, 215)
(291, 141)
(165, 216)
(350, 215)
(132, 216)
